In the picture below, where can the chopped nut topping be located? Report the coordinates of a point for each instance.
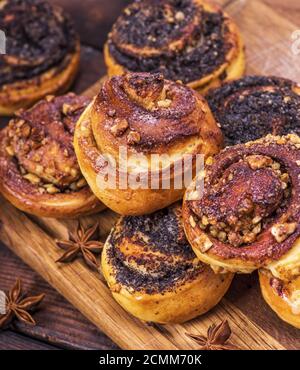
(257, 229)
(111, 113)
(258, 161)
(192, 222)
(74, 172)
(294, 138)
(133, 137)
(281, 141)
(164, 103)
(116, 288)
(52, 189)
(206, 245)
(81, 183)
(32, 178)
(256, 219)
(50, 98)
(127, 11)
(283, 231)
(209, 161)
(120, 127)
(25, 131)
(222, 236)
(10, 151)
(204, 220)
(213, 231)
(179, 16)
(39, 169)
(66, 108)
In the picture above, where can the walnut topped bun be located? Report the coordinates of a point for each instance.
(42, 53)
(153, 272)
(282, 296)
(254, 106)
(147, 115)
(188, 40)
(38, 167)
(249, 214)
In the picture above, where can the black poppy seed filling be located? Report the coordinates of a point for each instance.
(164, 236)
(203, 54)
(36, 37)
(150, 19)
(256, 113)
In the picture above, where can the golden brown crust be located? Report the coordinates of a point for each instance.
(38, 167)
(28, 70)
(143, 114)
(23, 94)
(194, 30)
(248, 216)
(282, 297)
(153, 272)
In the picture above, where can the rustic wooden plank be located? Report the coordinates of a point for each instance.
(289, 9)
(268, 39)
(58, 322)
(86, 291)
(245, 294)
(269, 51)
(13, 341)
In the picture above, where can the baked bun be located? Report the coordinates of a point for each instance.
(282, 297)
(154, 274)
(42, 53)
(248, 215)
(39, 173)
(189, 40)
(254, 106)
(143, 115)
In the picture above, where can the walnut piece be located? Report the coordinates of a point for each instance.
(283, 231)
(119, 127)
(133, 137)
(164, 103)
(258, 161)
(192, 222)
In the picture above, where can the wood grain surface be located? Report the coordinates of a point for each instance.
(267, 27)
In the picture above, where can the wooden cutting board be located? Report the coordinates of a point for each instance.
(268, 37)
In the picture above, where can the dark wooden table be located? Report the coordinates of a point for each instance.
(59, 325)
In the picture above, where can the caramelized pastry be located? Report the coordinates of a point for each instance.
(144, 115)
(188, 40)
(154, 274)
(282, 297)
(39, 173)
(254, 106)
(248, 215)
(42, 53)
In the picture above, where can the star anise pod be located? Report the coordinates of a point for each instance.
(81, 244)
(17, 306)
(217, 337)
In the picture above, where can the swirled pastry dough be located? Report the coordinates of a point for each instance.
(39, 172)
(190, 40)
(154, 274)
(42, 53)
(147, 115)
(248, 216)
